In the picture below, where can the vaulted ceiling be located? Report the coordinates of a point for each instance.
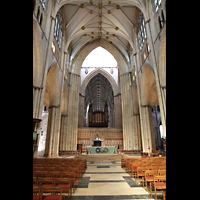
(89, 20)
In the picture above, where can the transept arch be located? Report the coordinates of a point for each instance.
(78, 60)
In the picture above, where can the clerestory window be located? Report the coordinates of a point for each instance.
(142, 35)
(58, 29)
(157, 4)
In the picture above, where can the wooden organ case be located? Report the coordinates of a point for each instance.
(98, 118)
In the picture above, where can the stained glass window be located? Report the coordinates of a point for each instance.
(43, 3)
(142, 35)
(157, 4)
(58, 29)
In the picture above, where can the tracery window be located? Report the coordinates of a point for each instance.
(43, 3)
(142, 35)
(58, 28)
(157, 4)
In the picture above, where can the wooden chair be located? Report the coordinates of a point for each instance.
(164, 194)
(140, 172)
(153, 167)
(77, 173)
(45, 182)
(149, 174)
(53, 195)
(34, 181)
(72, 177)
(134, 166)
(36, 192)
(54, 174)
(41, 173)
(158, 184)
(65, 184)
(162, 172)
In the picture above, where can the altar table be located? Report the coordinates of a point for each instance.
(102, 150)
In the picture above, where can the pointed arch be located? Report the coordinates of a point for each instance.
(104, 73)
(82, 54)
(52, 90)
(149, 95)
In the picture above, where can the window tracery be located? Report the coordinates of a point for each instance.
(142, 35)
(58, 28)
(43, 3)
(157, 4)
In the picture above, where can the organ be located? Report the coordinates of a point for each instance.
(98, 118)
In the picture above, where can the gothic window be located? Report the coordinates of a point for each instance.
(142, 35)
(58, 29)
(161, 19)
(157, 4)
(43, 3)
(41, 18)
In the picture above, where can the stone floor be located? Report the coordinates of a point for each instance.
(104, 179)
(108, 181)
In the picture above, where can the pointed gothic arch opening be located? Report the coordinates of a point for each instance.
(84, 52)
(99, 97)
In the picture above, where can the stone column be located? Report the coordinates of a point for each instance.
(161, 95)
(72, 119)
(38, 91)
(52, 136)
(50, 39)
(118, 111)
(123, 110)
(81, 111)
(148, 137)
(61, 133)
(36, 101)
(130, 134)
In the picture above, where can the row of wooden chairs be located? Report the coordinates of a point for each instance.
(64, 183)
(159, 183)
(73, 174)
(70, 152)
(125, 163)
(54, 168)
(56, 193)
(131, 151)
(58, 160)
(152, 170)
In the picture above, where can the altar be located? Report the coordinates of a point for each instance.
(102, 150)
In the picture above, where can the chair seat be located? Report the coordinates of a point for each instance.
(71, 179)
(141, 173)
(47, 185)
(149, 178)
(36, 197)
(63, 186)
(53, 197)
(158, 184)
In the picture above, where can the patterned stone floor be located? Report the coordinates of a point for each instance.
(108, 181)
